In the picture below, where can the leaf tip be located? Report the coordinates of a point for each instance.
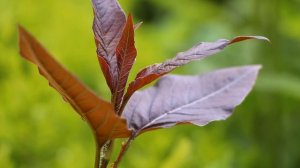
(21, 32)
(255, 70)
(138, 25)
(129, 17)
(19, 27)
(262, 38)
(257, 67)
(130, 22)
(243, 38)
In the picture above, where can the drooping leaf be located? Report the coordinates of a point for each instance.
(126, 54)
(190, 99)
(109, 21)
(98, 113)
(198, 52)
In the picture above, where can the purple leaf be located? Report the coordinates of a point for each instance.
(190, 99)
(198, 52)
(108, 25)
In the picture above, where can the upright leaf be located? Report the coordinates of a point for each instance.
(126, 54)
(97, 112)
(137, 26)
(109, 21)
(198, 52)
(189, 99)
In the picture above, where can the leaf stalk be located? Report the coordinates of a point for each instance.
(123, 150)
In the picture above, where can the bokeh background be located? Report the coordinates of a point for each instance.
(38, 129)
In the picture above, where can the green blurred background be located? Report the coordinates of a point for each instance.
(38, 129)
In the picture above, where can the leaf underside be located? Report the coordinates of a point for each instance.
(198, 52)
(190, 99)
(173, 100)
(97, 112)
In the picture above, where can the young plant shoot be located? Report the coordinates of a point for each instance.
(173, 100)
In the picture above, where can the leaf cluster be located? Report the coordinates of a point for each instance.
(171, 101)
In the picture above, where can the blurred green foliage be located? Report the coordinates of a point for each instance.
(37, 129)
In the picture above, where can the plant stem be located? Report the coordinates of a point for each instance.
(97, 156)
(106, 153)
(123, 150)
(103, 154)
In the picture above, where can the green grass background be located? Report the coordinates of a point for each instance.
(38, 129)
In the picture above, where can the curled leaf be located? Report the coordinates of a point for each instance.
(198, 52)
(243, 38)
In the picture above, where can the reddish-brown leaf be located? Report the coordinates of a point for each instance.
(98, 113)
(126, 54)
(109, 21)
(198, 52)
(242, 38)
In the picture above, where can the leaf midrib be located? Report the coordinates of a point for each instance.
(196, 101)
